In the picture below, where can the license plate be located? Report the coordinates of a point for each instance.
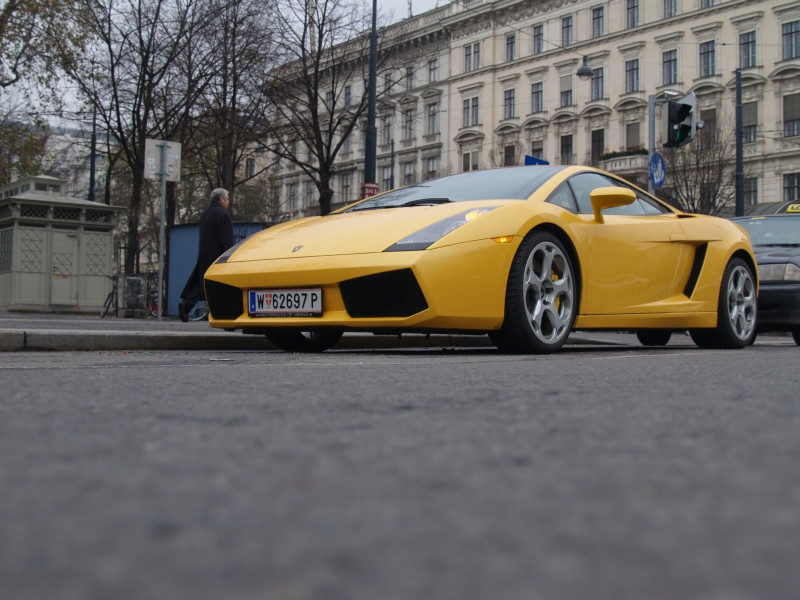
(305, 302)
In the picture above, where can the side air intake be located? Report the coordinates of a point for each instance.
(391, 294)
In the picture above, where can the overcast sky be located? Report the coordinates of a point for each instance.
(399, 8)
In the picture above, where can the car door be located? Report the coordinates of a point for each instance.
(636, 261)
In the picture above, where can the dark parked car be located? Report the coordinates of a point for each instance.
(776, 242)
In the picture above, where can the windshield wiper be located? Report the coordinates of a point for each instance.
(426, 201)
(779, 245)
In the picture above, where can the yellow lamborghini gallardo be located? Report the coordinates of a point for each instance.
(524, 255)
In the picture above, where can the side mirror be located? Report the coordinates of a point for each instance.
(609, 197)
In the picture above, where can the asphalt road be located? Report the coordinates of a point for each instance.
(601, 472)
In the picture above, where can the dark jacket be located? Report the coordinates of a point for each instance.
(216, 236)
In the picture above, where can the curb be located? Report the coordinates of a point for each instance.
(65, 340)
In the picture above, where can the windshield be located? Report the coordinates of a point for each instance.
(507, 184)
(773, 231)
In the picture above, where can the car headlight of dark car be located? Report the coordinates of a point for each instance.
(419, 240)
(779, 272)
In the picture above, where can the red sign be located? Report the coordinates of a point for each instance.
(369, 188)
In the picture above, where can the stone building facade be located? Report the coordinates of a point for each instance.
(476, 84)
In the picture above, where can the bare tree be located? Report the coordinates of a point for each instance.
(226, 125)
(134, 51)
(701, 173)
(313, 105)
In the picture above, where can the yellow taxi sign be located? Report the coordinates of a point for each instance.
(793, 208)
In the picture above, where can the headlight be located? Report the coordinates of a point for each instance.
(423, 238)
(779, 272)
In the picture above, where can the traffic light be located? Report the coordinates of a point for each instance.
(679, 121)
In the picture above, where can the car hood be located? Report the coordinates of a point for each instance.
(347, 233)
(768, 255)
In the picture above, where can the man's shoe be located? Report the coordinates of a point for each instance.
(182, 312)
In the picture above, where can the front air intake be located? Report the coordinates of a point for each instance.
(391, 294)
(224, 301)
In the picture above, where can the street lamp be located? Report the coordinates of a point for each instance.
(585, 71)
(371, 141)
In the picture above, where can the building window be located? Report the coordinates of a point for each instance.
(537, 97)
(346, 145)
(408, 126)
(538, 39)
(670, 8)
(566, 149)
(387, 129)
(707, 59)
(433, 70)
(598, 143)
(433, 164)
(669, 61)
(706, 3)
(250, 168)
(747, 49)
(509, 155)
(750, 191)
(632, 13)
(511, 43)
(566, 31)
(309, 194)
(509, 100)
(292, 198)
(433, 117)
(387, 183)
(537, 149)
(708, 134)
(345, 187)
(470, 112)
(408, 173)
(348, 96)
(409, 78)
(791, 40)
(749, 122)
(329, 101)
(631, 76)
(791, 115)
(632, 139)
(791, 187)
(597, 22)
(597, 83)
(387, 83)
(566, 90)
(472, 57)
(469, 161)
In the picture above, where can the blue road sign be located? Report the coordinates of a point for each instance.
(658, 169)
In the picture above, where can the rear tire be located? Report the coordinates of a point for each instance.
(303, 341)
(541, 297)
(654, 337)
(796, 336)
(736, 310)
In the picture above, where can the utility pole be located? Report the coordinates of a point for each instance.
(739, 149)
(371, 140)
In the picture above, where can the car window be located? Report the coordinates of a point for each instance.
(563, 197)
(583, 184)
(772, 231)
(515, 183)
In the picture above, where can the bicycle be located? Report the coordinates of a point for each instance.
(111, 303)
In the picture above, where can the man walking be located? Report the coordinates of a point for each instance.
(216, 236)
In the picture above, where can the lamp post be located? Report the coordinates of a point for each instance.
(739, 149)
(371, 138)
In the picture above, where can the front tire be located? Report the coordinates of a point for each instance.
(303, 341)
(737, 310)
(541, 297)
